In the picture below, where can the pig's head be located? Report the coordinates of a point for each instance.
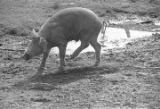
(36, 47)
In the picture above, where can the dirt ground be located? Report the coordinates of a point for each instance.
(127, 78)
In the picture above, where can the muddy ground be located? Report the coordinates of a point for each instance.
(127, 78)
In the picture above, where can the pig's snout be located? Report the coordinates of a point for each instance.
(26, 57)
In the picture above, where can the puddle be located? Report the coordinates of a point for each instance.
(114, 38)
(157, 23)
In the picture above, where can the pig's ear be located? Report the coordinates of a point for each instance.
(43, 44)
(35, 33)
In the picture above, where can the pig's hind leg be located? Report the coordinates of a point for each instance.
(97, 48)
(84, 44)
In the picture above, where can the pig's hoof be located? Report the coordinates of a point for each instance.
(61, 69)
(69, 58)
(96, 64)
(38, 74)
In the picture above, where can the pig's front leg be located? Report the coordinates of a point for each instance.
(62, 52)
(43, 62)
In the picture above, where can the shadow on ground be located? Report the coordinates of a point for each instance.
(51, 81)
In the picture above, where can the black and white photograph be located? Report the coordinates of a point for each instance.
(79, 54)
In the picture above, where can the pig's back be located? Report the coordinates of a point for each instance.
(76, 15)
(73, 22)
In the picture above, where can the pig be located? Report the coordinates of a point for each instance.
(68, 24)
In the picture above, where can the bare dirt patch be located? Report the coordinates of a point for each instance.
(127, 78)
